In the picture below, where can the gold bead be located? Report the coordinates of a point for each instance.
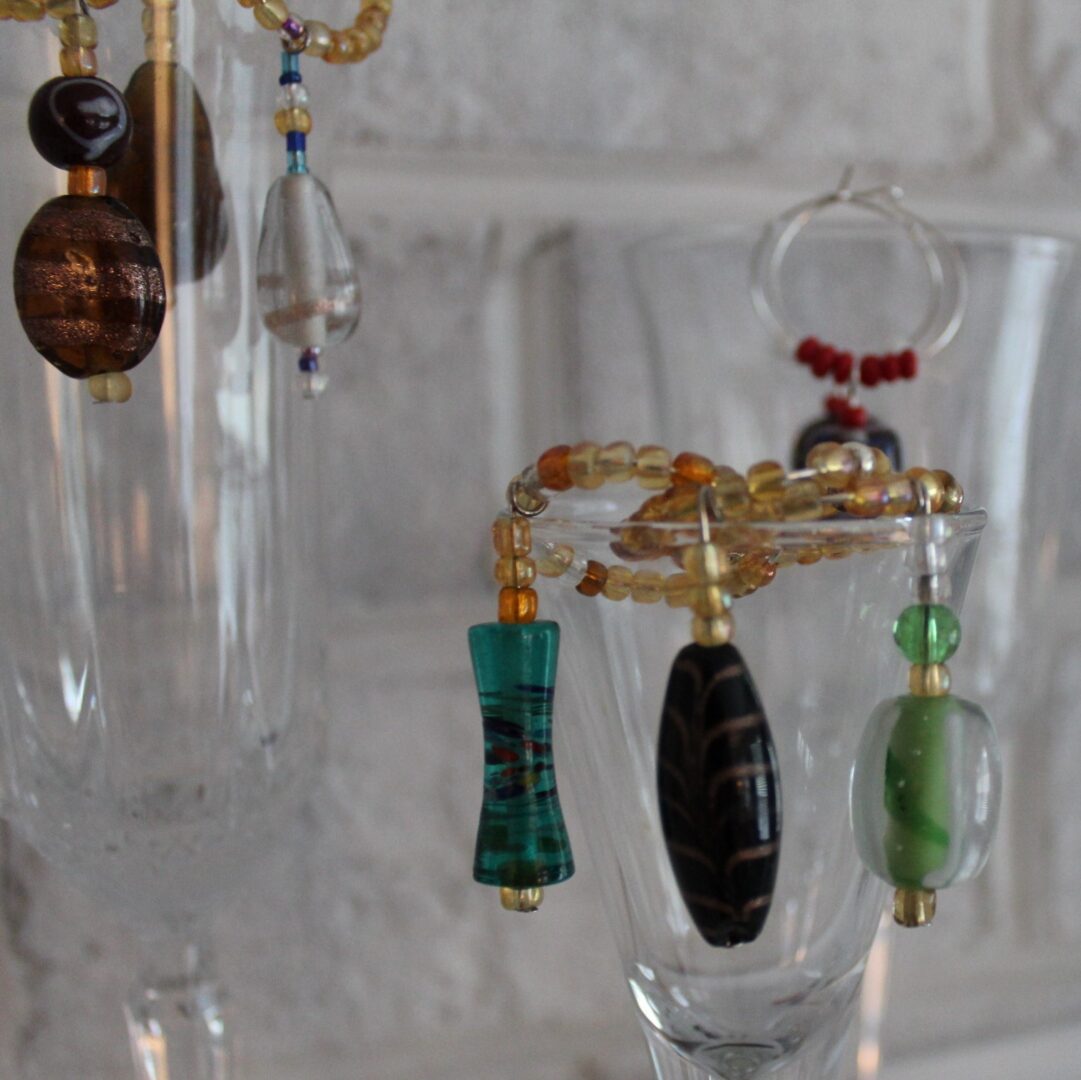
(512, 536)
(647, 587)
(616, 462)
(709, 601)
(556, 560)
(716, 630)
(78, 61)
(295, 118)
(913, 907)
(677, 590)
(515, 572)
(112, 387)
(617, 586)
(929, 680)
(520, 899)
(582, 465)
(319, 39)
(270, 13)
(653, 468)
(705, 563)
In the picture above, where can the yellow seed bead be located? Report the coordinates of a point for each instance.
(653, 468)
(709, 601)
(556, 560)
(385, 6)
(801, 501)
(517, 605)
(730, 492)
(76, 30)
(169, 5)
(247, 3)
(26, 10)
(765, 481)
(512, 536)
(270, 13)
(524, 900)
(617, 586)
(319, 38)
(677, 590)
(647, 587)
(716, 630)
(929, 680)
(78, 61)
(616, 462)
(61, 9)
(113, 387)
(296, 118)
(705, 563)
(953, 495)
(582, 465)
(808, 556)
(515, 572)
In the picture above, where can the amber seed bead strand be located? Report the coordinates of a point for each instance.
(316, 38)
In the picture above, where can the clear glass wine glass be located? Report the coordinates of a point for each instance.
(159, 713)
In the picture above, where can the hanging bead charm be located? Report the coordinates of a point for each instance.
(522, 844)
(307, 284)
(718, 783)
(927, 781)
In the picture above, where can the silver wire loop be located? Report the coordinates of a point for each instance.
(946, 271)
(707, 507)
(515, 507)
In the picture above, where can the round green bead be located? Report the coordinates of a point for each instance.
(927, 633)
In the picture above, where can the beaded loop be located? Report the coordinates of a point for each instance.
(347, 46)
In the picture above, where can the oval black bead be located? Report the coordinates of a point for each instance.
(720, 794)
(829, 429)
(79, 121)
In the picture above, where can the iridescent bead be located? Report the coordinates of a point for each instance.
(512, 536)
(593, 580)
(647, 587)
(617, 586)
(616, 462)
(765, 481)
(553, 468)
(555, 561)
(931, 486)
(692, 469)
(515, 572)
(517, 605)
(889, 497)
(837, 466)
(582, 466)
(306, 284)
(79, 121)
(653, 468)
(730, 492)
(927, 633)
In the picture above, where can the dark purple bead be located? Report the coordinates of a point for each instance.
(828, 429)
(79, 121)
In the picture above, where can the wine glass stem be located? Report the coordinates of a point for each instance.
(174, 1014)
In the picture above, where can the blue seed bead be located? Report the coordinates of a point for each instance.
(309, 359)
(291, 64)
(287, 77)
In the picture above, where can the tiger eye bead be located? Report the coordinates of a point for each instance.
(765, 481)
(653, 468)
(553, 468)
(79, 121)
(582, 466)
(517, 605)
(647, 587)
(511, 536)
(616, 462)
(555, 561)
(617, 585)
(690, 468)
(594, 579)
(515, 572)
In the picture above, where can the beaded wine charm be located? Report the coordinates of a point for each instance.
(307, 283)
(89, 287)
(522, 842)
(927, 781)
(847, 419)
(717, 779)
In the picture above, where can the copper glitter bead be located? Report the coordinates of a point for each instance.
(89, 287)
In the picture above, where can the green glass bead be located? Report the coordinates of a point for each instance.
(927, 633)
(522, 841)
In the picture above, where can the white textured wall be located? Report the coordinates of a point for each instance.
(470, 150)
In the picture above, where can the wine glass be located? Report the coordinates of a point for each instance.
(159, 713)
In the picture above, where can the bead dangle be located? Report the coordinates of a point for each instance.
(89, 287)
(927, 781)
(718, 785)
(847, 418)
(522, 844)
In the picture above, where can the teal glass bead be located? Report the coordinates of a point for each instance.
(925, 791)
(927, 633)
(522, 841)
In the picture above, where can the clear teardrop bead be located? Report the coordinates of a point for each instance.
(306, 281)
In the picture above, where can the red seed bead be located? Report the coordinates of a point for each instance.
(891, 367)
(807, 350)
(855, 416)
(553, 469)
(842, 367)
(836, 406)
(823, 363)
(870, 370)
(910, 364)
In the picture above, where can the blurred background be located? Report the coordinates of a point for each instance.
(491, 165)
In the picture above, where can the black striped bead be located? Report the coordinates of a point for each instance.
(720, 796)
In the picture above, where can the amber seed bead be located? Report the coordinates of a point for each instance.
(765, 480)
(516, 572)
(319, 38)
(730, 492)
(293, 119)
(801, 501)
(653, 468)
(270, 13)
(78, 30)
(512, 536)
(594, 579)
(716, 630)
(617, 585)
(647, 587)
(26, 10)
(61, 9)
(79, 61)
(100, 3)
(517, 605)
(555, 561)
(929, 680)
(710, 601)
(582, 466)
(890, 497)
(692, 469)
(677, 590)
(553, 468)
(706, 563)
(616, 462)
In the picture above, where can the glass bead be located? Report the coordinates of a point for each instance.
(515, 571)
(339, 50)
(925, 791)
(582, 466)
(78, 30)
(312, 384)
(78, 62)
(512, 535)
(553, 468)
(293, 96)
(927, 633)
(521, 839)
(306, 283)
(677, 590)
(593, 579)
(112, 387)
(808, 556)
(26, 10)
(765, 481)
(79, 121)
(89, 288)
(99, 4)
(270, 13)
(556, 560)
(295, 119)
(617, 585)
(889, 497)
(616, 462)
(319, 38)
(517, 605)
(653, 467)
(928, 680)
(712, 630)
(705, 562)
(801, 501)
(710, 601)
(755, 570)
(160, 22)
(953, 495)
(730, 492)
(692, 469)
(882, 465)
(647, 587)
(60, 9)
(86, 180)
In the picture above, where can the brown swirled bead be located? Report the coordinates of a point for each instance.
(89, 287)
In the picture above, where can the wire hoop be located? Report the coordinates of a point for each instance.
(945, 270)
